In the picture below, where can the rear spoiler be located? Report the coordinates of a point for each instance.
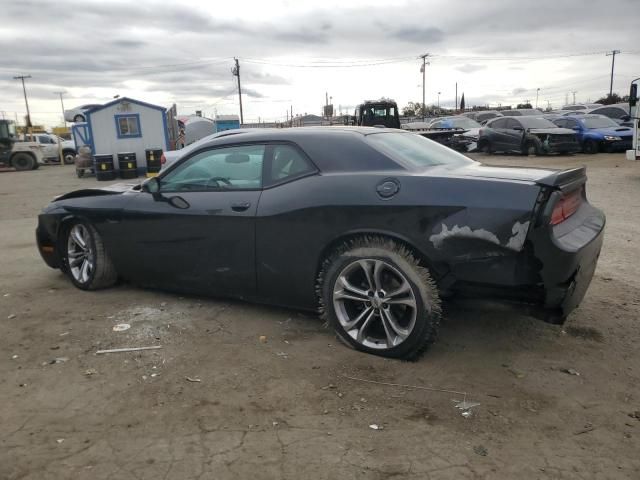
(565, 180)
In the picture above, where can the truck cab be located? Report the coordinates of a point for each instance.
(377, 113)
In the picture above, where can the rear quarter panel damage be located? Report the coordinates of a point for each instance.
(459, 225)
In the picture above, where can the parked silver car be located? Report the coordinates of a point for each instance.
(77, 115)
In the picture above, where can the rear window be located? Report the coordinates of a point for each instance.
(413, 150)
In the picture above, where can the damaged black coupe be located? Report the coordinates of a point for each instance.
(373, 226)
(528, 135)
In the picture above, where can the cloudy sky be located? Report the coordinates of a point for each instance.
(291, 52)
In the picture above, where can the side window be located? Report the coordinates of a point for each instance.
(570, 123)
(617, 113)
(128, 126)
(560, 122)
(512, 124)
(500, 123)
(288, 162)
(227, 168)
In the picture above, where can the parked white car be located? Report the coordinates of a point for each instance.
(77, 115)
(49, 144)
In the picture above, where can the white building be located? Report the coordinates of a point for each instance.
(122, 126)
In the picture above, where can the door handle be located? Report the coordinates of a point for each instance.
(240, 207)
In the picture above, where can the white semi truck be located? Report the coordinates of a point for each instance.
(634, 154)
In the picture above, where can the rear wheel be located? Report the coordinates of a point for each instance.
(378, 298)
(87, 263)
(23, 161)
(590, 147)
(69, 157)
(78, 118)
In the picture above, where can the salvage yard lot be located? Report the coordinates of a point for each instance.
(273, 400)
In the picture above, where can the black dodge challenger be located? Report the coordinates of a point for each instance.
(371, 225)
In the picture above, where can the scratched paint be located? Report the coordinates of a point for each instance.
(515, 242)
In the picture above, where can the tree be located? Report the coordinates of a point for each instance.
(524, 105)
(610, 99)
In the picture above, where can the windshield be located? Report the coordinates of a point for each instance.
(599, 122)
(533, 122)
(413, 150)
(464, 123)
(379, 111)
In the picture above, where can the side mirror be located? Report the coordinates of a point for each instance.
(152, 185)
(626, 118)
(633, 95)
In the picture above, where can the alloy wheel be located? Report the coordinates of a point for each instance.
(80, 255)
(374, 303)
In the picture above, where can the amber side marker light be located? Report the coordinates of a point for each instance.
(47, 249)
(567, 206)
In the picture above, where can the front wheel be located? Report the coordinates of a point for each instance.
(485, 147)
(378, 298)
(87, 263)
(590, 147)
(69, 157)
(530, 149)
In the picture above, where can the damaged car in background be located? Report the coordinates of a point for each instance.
(526, 135)
(466, 137)
(371, 226)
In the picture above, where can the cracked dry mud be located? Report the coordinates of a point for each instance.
(280, 407)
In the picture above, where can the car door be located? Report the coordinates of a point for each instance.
(49, 147)
(513, 135)
(284, 232)
(197, 232)
(497, 134)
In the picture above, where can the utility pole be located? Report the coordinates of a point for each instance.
(291, 116)
(537, 92)
(24, 90)
(236, 72)
(574, 96)
(566, 99)
(439, 100)
(62, 104)
(423, 69)
(456, 97)
(613, 61)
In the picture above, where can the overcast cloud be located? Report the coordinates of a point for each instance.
(169, 53)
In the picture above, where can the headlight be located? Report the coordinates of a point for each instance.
(611, 138)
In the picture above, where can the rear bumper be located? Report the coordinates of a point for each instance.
(561, 147)
(568, 254)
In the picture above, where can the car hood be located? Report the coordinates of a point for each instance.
(614, 132)
(114, 189)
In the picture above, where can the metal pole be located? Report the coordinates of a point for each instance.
(537, 92)
(613, 61)
(236, 72)
(424, 73)
(24, 90)
(439, 100)
(62, 104)
(456, 96)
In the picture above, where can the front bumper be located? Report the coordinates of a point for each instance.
(617, 145)
(47, 245)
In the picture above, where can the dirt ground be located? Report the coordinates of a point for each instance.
(283, 408)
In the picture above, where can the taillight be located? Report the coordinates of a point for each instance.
(163, 159)
(567, 206)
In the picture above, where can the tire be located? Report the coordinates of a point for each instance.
(78, 119)
(23, 161)
(530, 148)
(80, 172)
(69, 157)
(485, 147)
(88, 267)
(361, 307)
(590, 147)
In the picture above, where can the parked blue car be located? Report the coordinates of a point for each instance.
(597, 133)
